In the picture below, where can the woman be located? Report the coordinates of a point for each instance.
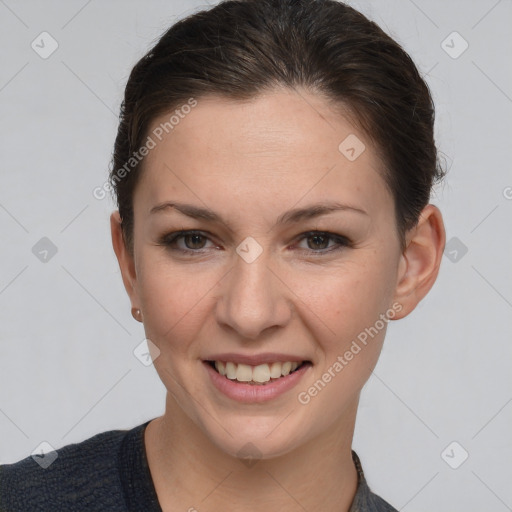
(272, 170)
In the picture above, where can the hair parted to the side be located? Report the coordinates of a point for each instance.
(241, 48)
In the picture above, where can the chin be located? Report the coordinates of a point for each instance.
(252, 439)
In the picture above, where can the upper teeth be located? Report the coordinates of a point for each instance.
(260, 373)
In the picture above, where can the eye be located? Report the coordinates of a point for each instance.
(318, 242)
(193, 241)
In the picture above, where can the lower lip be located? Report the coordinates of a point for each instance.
(252, 393)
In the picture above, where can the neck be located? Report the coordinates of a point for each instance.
(190, 472)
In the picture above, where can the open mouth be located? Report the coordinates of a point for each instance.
(257, 375)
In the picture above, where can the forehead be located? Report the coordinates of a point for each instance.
(273, 150)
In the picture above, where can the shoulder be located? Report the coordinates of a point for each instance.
(377, 504)
(82, 476)
(365, 500)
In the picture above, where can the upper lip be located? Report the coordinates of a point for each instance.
(255, 359)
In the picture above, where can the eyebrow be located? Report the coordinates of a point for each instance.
(290, 217)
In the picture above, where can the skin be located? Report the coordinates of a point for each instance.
(250, 162)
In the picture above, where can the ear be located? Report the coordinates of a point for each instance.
(420, 261)
(125, 259)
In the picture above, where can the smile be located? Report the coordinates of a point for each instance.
(247, 383)
(256, 375)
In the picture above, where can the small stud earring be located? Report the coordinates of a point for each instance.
(137, 314)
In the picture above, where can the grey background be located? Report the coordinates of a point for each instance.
(67, 368)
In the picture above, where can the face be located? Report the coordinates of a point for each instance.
(290, 253)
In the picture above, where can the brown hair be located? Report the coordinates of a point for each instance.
(240, 48)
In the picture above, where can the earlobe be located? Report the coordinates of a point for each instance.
(124, 258)
(420, 261)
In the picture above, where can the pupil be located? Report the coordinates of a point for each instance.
(194, 239)
(321, 238)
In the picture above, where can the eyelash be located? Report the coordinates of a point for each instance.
(170, 240)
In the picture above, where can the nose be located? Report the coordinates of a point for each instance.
(253, 299)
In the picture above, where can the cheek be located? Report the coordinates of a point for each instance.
(345, 309)
(336, 302)
(347, 299)
(173, 299)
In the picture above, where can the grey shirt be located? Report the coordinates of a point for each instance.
(107, 472)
